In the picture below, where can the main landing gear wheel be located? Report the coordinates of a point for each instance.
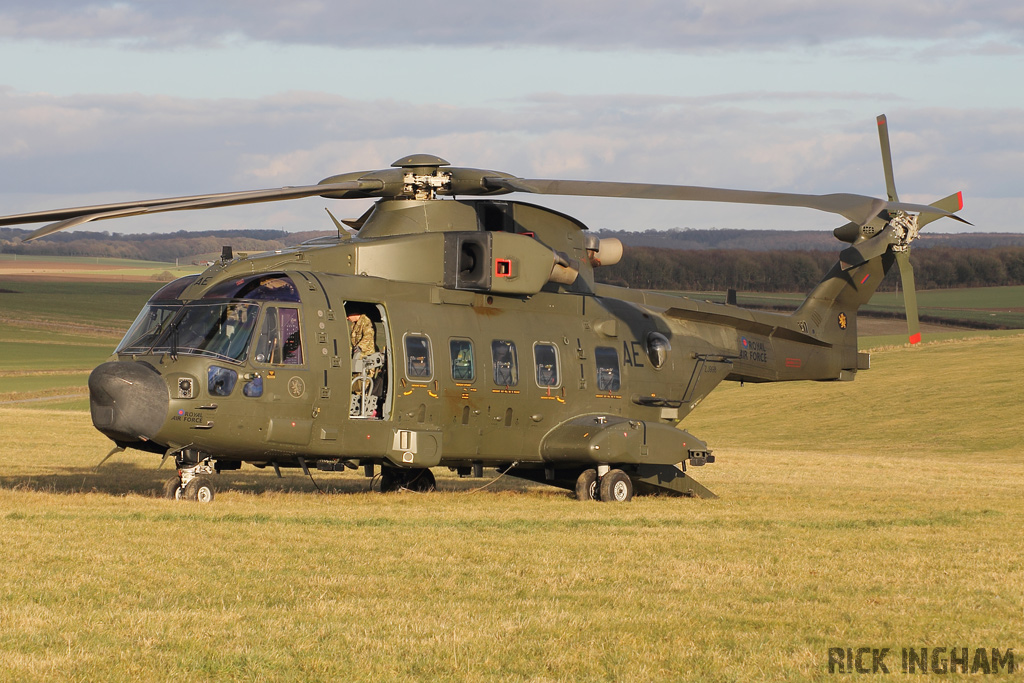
(389, 481)
(199, 489)
(586, 486)
(419, 480)
(172, 489)
(616, 486)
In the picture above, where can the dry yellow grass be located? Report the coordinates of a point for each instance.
(847, 524)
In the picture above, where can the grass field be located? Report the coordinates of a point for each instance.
(884, 512)
(891, 518)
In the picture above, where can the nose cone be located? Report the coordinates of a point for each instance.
(128, 400)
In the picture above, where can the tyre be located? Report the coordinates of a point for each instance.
(421, 481)
(389, 480)
(200, 490)
(586, 486)
(616, 487)
(172, 489)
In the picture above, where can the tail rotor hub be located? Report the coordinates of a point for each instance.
(906, 230)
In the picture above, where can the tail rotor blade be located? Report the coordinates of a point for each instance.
(952, 203)
(909, 295)
(883, 138)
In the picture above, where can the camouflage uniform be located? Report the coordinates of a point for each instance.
(361, 335)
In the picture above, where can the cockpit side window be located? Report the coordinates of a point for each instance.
(280, 339)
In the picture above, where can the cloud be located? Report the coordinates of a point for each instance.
(591, 25)
(61, 151)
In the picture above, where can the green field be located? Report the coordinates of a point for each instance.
(111, 268)
(108, 305)
(104, 263)
(884, 512)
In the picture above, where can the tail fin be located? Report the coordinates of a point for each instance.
(830, 310)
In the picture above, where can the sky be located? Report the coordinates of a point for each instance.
(112, 101)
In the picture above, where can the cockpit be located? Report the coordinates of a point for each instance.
(223, 323)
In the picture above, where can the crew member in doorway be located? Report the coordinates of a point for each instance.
(361, 334)
(362, 337)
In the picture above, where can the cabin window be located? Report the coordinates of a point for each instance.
(545, 358)
(417, 357)
(506, 364)
(463, 369)
(280, 340)
(607, 368)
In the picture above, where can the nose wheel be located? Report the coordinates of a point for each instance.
(193, 482)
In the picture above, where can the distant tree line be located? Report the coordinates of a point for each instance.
(993, 259)
(166, 247)
(794, 240)
(799, 271)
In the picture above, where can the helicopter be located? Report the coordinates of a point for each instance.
(490, 342)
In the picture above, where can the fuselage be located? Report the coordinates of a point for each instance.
(484, 352)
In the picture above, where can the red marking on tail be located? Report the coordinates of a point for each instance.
(960, 199)
(915, 338)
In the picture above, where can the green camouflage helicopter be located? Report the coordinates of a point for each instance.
(483, 338)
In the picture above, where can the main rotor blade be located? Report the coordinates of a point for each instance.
(909, 295)
(856, 208)
(68, 218)
(883, 139)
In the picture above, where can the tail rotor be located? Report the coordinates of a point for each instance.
(894, 229)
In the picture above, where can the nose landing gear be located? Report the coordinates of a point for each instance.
(193, 481)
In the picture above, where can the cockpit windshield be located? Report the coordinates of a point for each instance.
(209, 326)
(149, 326)
(219, 330)
(152, 322)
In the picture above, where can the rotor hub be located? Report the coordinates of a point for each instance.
(426, 186)
(906, 229)
(422, 177)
